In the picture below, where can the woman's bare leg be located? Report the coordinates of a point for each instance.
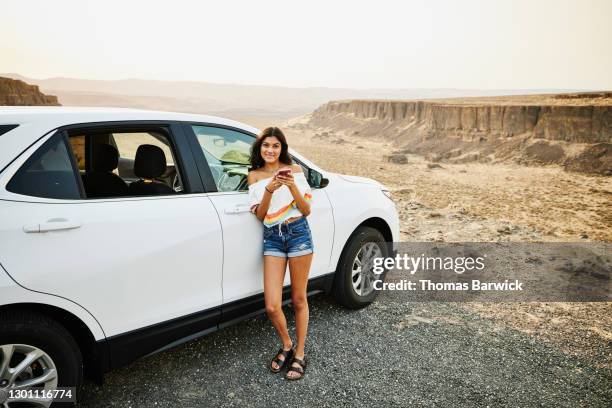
(274, 275)
(299, 268)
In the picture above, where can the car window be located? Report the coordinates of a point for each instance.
(127, 144)
(227, 153)
(108, 165)
(6, 128)
(48, 173)
(77, 144)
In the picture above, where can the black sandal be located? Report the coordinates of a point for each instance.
(300, 369)
(288, 354)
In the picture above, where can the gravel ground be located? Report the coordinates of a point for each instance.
(392, 353)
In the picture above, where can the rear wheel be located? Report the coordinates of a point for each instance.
(36, 352)
(354, 278)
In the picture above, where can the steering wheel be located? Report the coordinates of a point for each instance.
(229, 182)
(217, 172)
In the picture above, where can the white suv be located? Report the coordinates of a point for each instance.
(99, 265)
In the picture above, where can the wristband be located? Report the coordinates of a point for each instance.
(268, 190)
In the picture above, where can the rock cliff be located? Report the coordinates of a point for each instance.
(18, 93)
(567, 129)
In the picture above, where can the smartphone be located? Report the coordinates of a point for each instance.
(284, 172)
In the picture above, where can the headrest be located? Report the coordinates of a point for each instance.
(105, 158)
(150, 161)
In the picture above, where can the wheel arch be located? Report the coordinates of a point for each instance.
(377, 223)
(340, 287)
(95, 359)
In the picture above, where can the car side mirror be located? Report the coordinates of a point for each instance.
(316, 179)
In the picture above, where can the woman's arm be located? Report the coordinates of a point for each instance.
(262, 208)
(302, 205)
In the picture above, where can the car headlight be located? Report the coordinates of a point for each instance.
(387, 193)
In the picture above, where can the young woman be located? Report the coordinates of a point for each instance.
(279, 196)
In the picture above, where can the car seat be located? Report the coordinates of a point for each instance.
(101, 181)
(149, 163)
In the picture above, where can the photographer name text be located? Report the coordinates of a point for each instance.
(428, 285)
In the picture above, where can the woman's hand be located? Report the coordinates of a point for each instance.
(287, 180)
(302, 205)
(274, 184)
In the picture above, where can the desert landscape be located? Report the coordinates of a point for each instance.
(477, 183)
(526, 168)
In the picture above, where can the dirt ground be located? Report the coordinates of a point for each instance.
(486, 203)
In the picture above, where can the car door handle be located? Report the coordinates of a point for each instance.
(54, 224)
(238, 209)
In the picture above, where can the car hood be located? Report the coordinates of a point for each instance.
(360, 180)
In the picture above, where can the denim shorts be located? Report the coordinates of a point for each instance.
(288, 240)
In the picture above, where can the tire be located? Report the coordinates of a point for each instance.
(30, 330)
(344, 289)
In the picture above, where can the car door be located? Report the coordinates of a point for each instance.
(224, 157)
(132, 262)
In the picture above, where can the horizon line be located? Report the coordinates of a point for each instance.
(9, 74)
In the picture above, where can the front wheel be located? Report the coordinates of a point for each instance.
(355, 276)
(36, 352)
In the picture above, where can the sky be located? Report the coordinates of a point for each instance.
(464, 44)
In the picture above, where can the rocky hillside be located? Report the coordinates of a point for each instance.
(573, 130)
(18, 93)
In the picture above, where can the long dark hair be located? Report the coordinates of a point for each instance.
(256, 160)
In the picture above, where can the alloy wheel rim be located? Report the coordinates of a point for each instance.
(23, 367)
(362, 271)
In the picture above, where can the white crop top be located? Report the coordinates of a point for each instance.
(282, 204)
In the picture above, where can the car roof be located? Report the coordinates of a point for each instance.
(56, 116)
(36, 121)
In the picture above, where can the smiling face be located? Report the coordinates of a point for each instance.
(271, 149)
